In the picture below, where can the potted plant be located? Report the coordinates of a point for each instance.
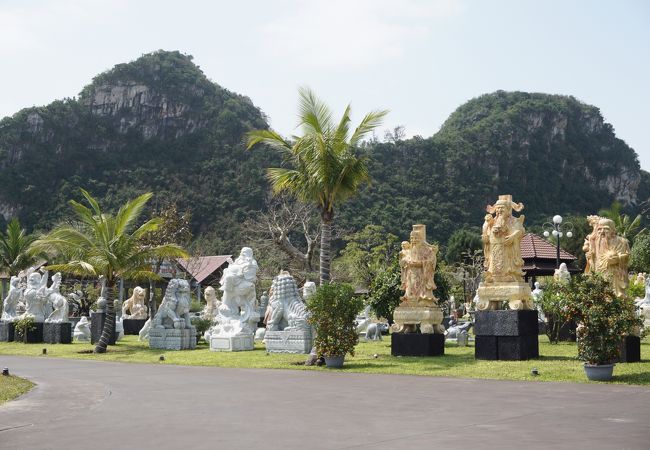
(24, 326)
(333, 309)
(603, 322)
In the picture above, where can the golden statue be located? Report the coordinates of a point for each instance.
(502, 234)
(419, 307)
(607, 253)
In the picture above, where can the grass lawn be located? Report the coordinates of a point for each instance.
(557, 363)
(12, 387)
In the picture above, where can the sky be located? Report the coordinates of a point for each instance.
(420, 59)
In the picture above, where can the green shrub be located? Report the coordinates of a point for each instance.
(603, 318)
(24, 326)
(333, 309)
(553, 302)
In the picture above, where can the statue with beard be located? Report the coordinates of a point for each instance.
(501, 235)
(609, 254)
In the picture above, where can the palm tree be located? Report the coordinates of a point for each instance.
(14, 250)
(102, 244)
(322, 165)
(625, 226)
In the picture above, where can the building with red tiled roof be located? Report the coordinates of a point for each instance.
(539, 257)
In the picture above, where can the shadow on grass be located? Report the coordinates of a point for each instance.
(633, 378)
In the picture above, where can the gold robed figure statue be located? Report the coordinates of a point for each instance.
(501, 235)
(607, 253)
(418, 306)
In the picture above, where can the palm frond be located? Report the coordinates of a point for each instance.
(130, 212)
(371, 121)
(314, 116)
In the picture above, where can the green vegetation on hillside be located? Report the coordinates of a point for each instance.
(158, 124)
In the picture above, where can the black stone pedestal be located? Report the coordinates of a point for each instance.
(133, 326)
(57, 333)
(506, 335)
(416, 344)
(630, 349)
(7, 331)
(34, 336)
(96, 326)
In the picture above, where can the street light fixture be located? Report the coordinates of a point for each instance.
(557, 230)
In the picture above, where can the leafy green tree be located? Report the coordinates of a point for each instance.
(99, 243)
(368, 253)
(385, 292)
(321, 166)
(461, 244)
(625, 226)
(640, 254)
(15, 254)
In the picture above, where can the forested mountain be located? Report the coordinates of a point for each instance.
(153, 124)
(159, 124)
(553, 153)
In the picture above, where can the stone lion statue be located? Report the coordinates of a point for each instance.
(287, 310)
(134, 307)
(174, 311)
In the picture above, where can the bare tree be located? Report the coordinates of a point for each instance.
(291, 227)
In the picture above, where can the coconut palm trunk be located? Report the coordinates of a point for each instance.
(325, 246)
(108, 330)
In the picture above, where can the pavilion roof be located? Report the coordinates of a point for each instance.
(535, 247)
(201, 267)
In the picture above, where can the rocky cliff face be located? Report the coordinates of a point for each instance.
(135, 106)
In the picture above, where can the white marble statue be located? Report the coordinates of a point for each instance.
(119, 328)
(134, 307)
(363, 320)
(537, 292)
(35, 297)
(212, 304)
(174, 311)
(57, 301)
(288, 312)
(12, 302)
(287, 329)
(308, 289)
(644, 305)
(237, 313)
(171, 328)
(562, 275)
(101, 301)
(82, 330)
(143, 335)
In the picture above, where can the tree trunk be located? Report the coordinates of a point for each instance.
(109, 324)
(325, 243)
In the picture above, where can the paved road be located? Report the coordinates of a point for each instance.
(101, 405)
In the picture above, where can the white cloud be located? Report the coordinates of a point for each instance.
(341, 34)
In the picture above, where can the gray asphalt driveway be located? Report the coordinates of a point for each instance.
(101, 405)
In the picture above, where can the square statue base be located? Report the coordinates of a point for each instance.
(416, 344)
(97, 320)
(7, 331)
(172, 339)
(232, 343)
(288, 341)
(34, 336)
(133, 326)
(57, 333)
(506, 335)
(630, 349)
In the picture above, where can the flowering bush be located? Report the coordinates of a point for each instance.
(553, 303)
(603, 318)
(333, 309)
